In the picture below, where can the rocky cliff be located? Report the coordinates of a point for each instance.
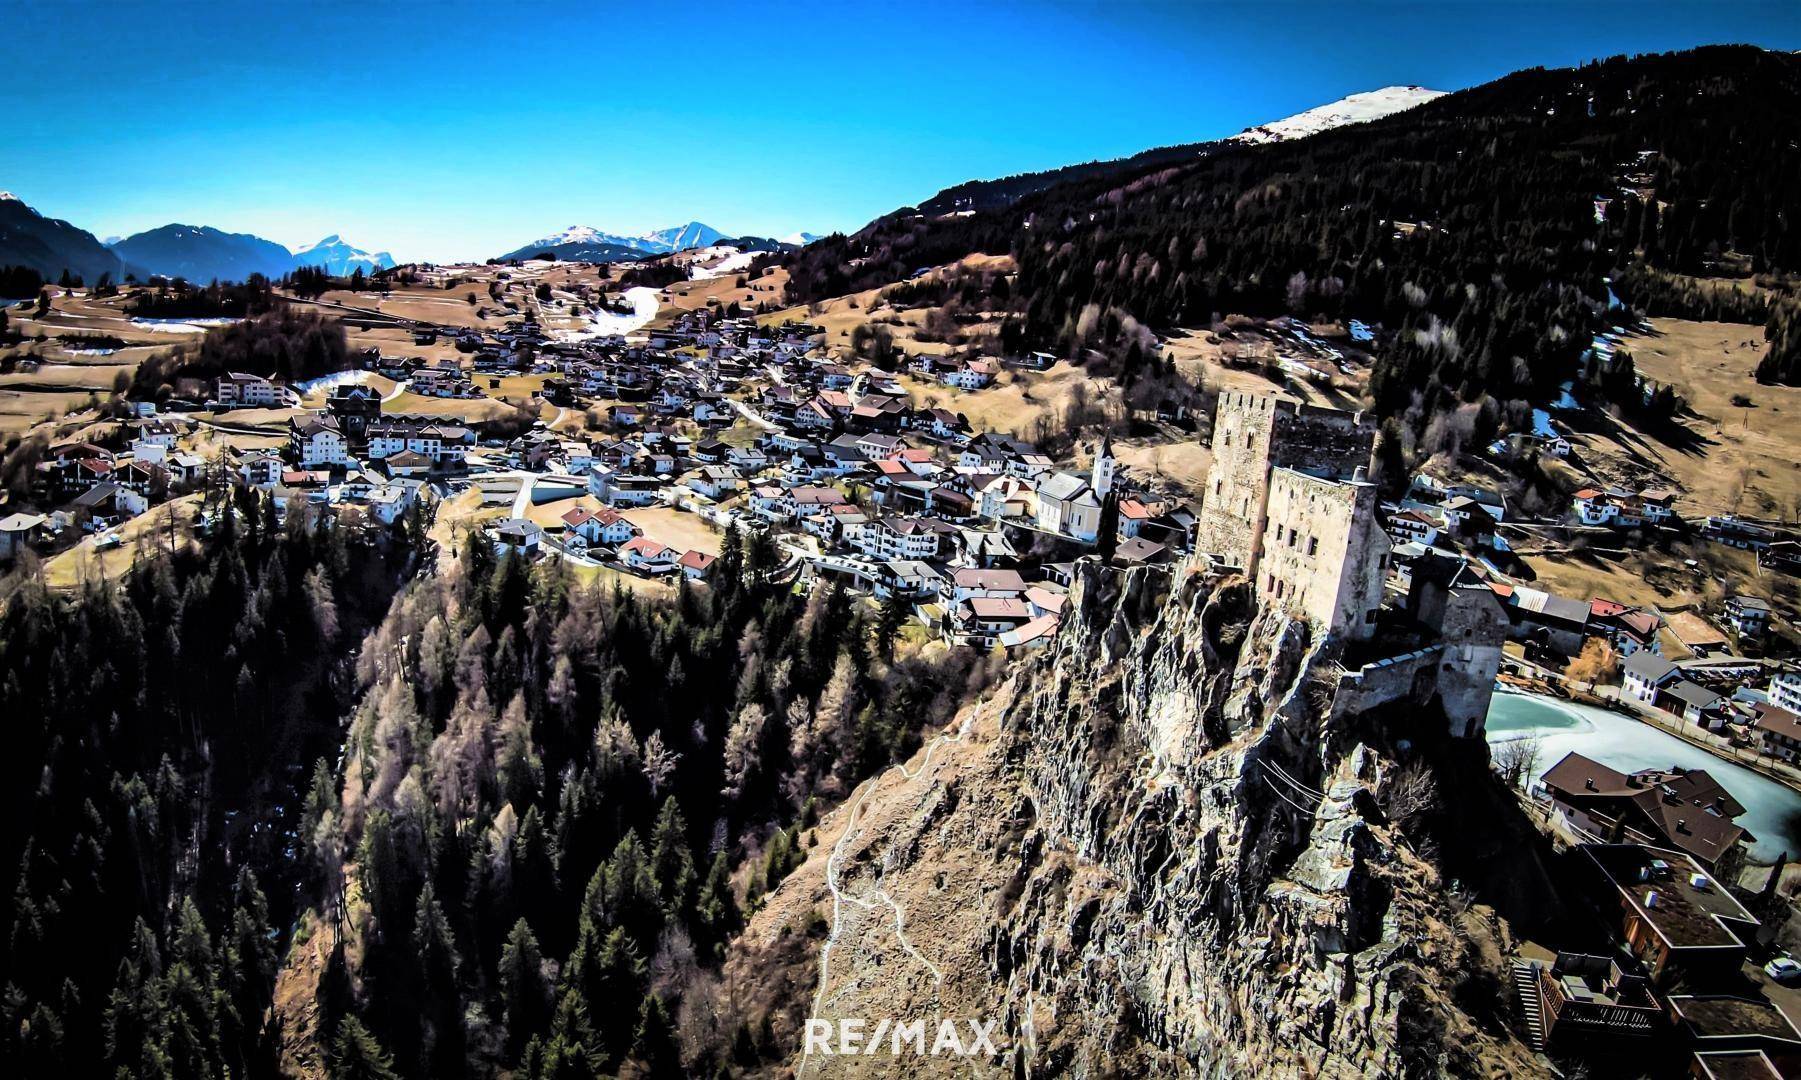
(1154, 852)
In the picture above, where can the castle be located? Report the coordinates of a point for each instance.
(1289, 503)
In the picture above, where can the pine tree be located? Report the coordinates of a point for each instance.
(356, 1055)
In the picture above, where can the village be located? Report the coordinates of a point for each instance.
(646, 448)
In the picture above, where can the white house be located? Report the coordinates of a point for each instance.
(317, 441)
(247, 391)
(1646, 672)
(649, 556)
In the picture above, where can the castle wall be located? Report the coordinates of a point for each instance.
(1323, 551)
(1473, 628)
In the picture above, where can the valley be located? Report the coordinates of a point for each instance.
(1317, 601)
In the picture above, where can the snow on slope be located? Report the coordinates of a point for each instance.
(1356, 109)
(800, 239)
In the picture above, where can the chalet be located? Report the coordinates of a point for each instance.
(1412, 526)
(619, 488)
(519, 536)
(441, 441)
(981, 620)
(971, 582)
(1646, 674)
(18, 531)
(260, 470)
(894, 538)
(596, 527)
(1686, 809)
(714, 481)
(1005, 497)
(356, 406)
(107, 500)
(907, 577)
(1693, 702)
(1778, 731)
(1137, 551)
(1627, 629)
(407, 463)
(1549, 619)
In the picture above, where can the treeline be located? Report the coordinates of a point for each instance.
(1466, 228)
(176, 298)
(1657, 294)
(553, 791)
(19, 282)
(155, 726)
(284, 342)
(656, 275)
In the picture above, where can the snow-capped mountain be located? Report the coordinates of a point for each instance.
(1356, 109)
(585, 243)
(683, 237)
(340, 258)
(800, 239)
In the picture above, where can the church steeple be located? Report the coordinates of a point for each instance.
(1100, 478)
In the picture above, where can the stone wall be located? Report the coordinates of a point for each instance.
(1323, 552)
(1254, 434)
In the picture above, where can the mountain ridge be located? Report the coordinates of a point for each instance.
(202, 253)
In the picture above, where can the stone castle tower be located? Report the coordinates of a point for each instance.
(1288, 502)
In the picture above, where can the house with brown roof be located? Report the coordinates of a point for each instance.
(1686, 809)
(1779, 731)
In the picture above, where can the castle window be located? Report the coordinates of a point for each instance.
(1313, 545)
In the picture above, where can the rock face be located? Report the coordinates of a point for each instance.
(1153, 853)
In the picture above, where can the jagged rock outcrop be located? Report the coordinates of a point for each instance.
(1154, 852)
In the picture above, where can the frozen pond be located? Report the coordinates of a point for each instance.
(1772, 811)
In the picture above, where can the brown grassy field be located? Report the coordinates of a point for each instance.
(678, 529)
(1752, 447)
(84, 563)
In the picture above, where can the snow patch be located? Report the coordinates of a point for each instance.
(1355, 109)
(607, 323)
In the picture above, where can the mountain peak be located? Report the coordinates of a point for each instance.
(1354, 109)
(7, 196)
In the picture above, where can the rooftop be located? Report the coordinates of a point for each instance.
(1686, 917)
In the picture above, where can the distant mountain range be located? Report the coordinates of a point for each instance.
(584, 243)
(196, 252)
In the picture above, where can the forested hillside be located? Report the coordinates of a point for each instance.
(1468, 228)
(558, 800)
(155, 730)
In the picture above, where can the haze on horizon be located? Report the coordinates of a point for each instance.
(456, 132)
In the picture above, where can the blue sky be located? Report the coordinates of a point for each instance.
(445, 131)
